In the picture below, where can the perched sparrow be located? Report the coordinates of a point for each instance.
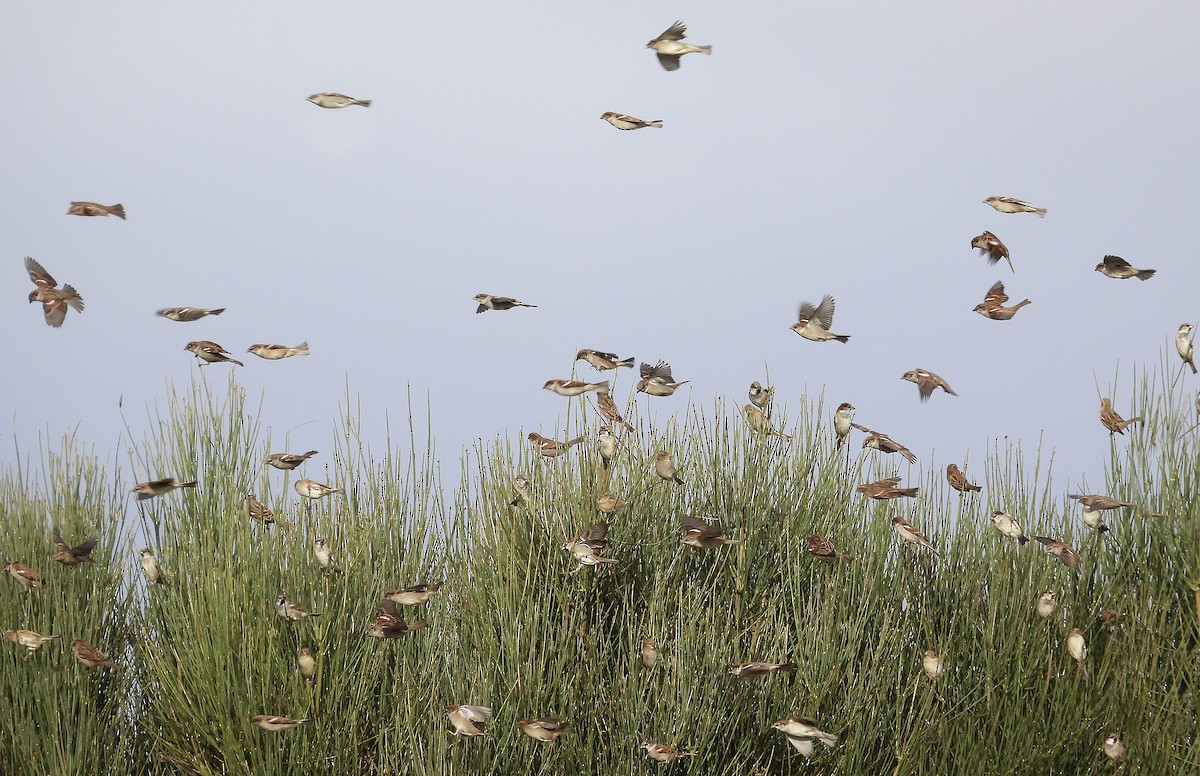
(1117, 268)
(468, 720)
(414, 595)
(55, 301)
(210, 353)
(622, 121)
(1113, 748)
(843, 421)
(958, 480)
(801, 731)
(934, 666)
(315, 490)
(909, 533)
(992, 248)
(885, 490)
(96, 209)
(603, 361)
(335, 100)
(1061, 550)
(1011, 205)
(154, 488)
(1008, 526)
(306, 664)
(606, 443)
(664, 467)
(657, 380)
(698, 532)
(926, 382)
(288, 461)
(1094, 519)
(259, 511)
(1101, 502)
(521, 489)
(389, 624)
(275, 724)
(815, 320)
(90, 656)
(670, 48)
(1046, 604)
(489, 302)
(885, 444)
(154, 572)
(608, 408)
(1077, 648)
(550, 447)
(276, 352)
(610, 504)
(186, 314)
(649, 653)
(71, 556)
(1112, 421)
(589, 547)
(290, 611)
(543, 728)
(993, 307)
(1110, 618)
(31, 640)
(26, 577)
(1185, 346)
(753, 670)
(574, 387)
(824, 549)
(325, 556)
(664, 754)
(760, 424)
(761, 397)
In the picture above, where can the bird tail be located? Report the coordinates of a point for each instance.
(842, 337)
(1022, 539)
(1131, 421)
(364, 103)
(829, 739)
(235, 361)
(655, 123)
(1021, 304)
(217, 311)
(1192, 364)
(910, 492)
(630, 361)
(573, 442)
(909, 456)
(72, 297)
(301, 349)
(118, 210)
(1146, 274)
(522, 304)
(191, 484)
(704, 49)
(310, 453)
(1040, 212)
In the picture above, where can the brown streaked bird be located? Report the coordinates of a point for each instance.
(885, 444)
(1112, 421)
(843, 421)
(662, 754)
(669, 46)
(146, 490)
(492, 302)
(926, 382)
(698, 532)
(610, 504)
(573, 387)
(992, 248)
(909, 533)
(276, 724)
(26, 577)
(758, 421)
(824, 549)
(154, 572)
(664, 467)
(1110, 618)
(1046, 604)
(1077, 649)
(625, 121)
(657, 380)
(544, 728)
(90, 656)
(68, 555)
(755, 669)
(413, 595)
(551, 448)
(390, 624)
(933, 665)
(29, 639)
(315, 490)
(993, 307)
(649, 653)
(187, 314)
(259, 511)
(589, 547)
(1117, 268)
(521, 490)
(468, 720)
(1101, 502)
(761, 396)
(885, 489)
(1114, 749)
(290, 611)
(276, 352)
(602, 360)
(96, 209)
(306, 664)
(802, 731)
(1014, 205)
(335, 100)
(958, 480)
(1064, 552)
(55, 301)
(288, 461)
(1007, 525)
(608, 409)
(1185, 346)
(813, 321)
(210, 353)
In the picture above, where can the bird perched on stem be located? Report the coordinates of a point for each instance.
(992, 248)
(290, 611)
(761, 396)
(664, 467)
(306, 664)
(96, 209)
(1046, 604)
(68, 555)
(589, 547)
(210, 353)
(551, 448)
(993, 307)
(1185, 345)
(958, 480)
(490, 302)
(1008, 526)
(843, 421)
(670, 47)
(55, 301)
(288, 461)
(1117, 268)
(1112, 421)
(1013, 205)
(824, 549)
(760, 424)
(933, 665)
(1114, 749)
(623, 121)
(1077, 648)
(657, 380)
(814, 321)
(154, 572)
(909, 533)
(90, 656)
(324, 555)
(926, 382)
(608, 409)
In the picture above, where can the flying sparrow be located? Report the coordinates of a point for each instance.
(992, 248)
(926, 382)
(603, 361)
(550, 447)
(521, 489)
(55, 301)
(154, 572)
(1008, 526)
(760, 424)
(210, 353)
(468, 720)
(1094, 519)
(657, 380)
(934, 666)
(275, 724)
(31, 640)
(608, 408)
(1077, 648)
(1011, 205)
(588, 547)
(754, 669)
(315, 490)
(885, 444)
(1061, 550)
(68, 555)
(1117, 268)
(669, 46)
(390, 624)
(886, 489)
(1112, 421)
(335, 100)
(96, 209)
(26, 577)
(154, 488)
(801, 731)
(1101, 502)
(276, 352)
(664, 754)
(414, 595)
(843, 421)
(490, 302)
(1046, 604)
(1113, 748)
(574, 387)
(909, 533)
(664, 467)
(306, 664)
(288, 461)
(606, 443)
(958, 480)
(325, 556)
(698, 532)
(543, 728)
(622, 121)
(815, 320)
(290, 611)
(610, 504)
(90, 656)
(761, 397)
(993, 307)
(649, 653)
(186, 314)
(1185, 346)
(824, 549)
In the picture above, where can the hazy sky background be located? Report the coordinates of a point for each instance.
(838, 148)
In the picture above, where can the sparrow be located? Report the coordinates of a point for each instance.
(55, 301)
(288, 461)
(154, 488)
(622, 121)
(31, 640)
(589, 546)
(186, 314)
(1117, 268)
(1094, 519)
(489, 302)
(607, 445)
(909, 533)
(926, 382)
(550, 447)
(843, 421)
(610, 504)
(698, 532)
(1101, 502)
(1061, 550)
(1185, 346)
(90, 656)
(1077, 648)
(649, 653)
(468, 720)
(934, 666)
(574, 387)
(210, 353)
(669, 46)
(958, 480)
(1046, 604)
(335, 100)
(801, 731)
(885, 490)
(1113, 748)
(824, 549)
(1011, 205)
(608, 408)
(664, 754)
(290, 611)
(26, 577)
(325, 556)
(885, 444)
(603, 361)
(1007, 526)
(993, 307)
(306, 664)
(761, 397)
(753, 670)
(68, 555)
(154, 572)
(96, 209)
(1112, 421)
(664, 467)
(521, 489)
(992, 248)
(815, 320)
(276, 352)
(275, 724)
(315, 490)
(389, 624)
(414, 595)
(258, 510)
(543, 728)
(760, 424)
(657, 380)
(1110, 618)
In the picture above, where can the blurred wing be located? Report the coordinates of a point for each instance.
(1111, 262)
(55, 310)
(824, 312)
(807, 311)
(38, 274)
(84, 548)
(597, 533)
(995, 294)
(668, 62)
(674, 32)
(58, 542)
